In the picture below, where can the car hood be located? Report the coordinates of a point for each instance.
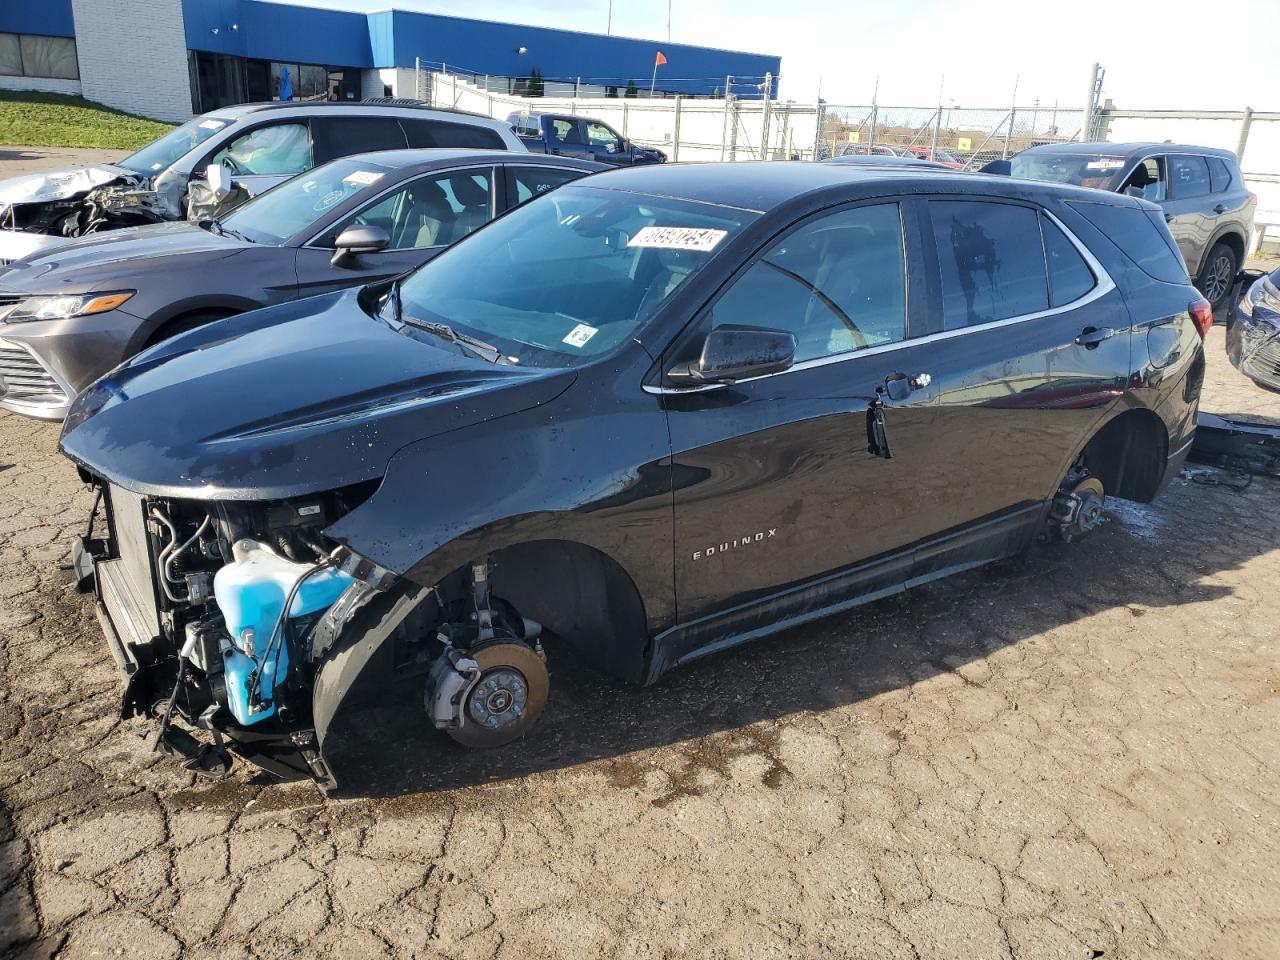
(113, 254)
(58, 184)
(294, 399)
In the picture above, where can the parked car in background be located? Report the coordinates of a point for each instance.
(566, 135)
(656, 414)
(1253, 339)
(71, 314)
(883, 160)
(258, 144)
(1201, 191)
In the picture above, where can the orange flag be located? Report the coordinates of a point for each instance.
(659, 60)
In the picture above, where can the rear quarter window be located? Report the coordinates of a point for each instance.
(442, 133)
(1221, 175)
(1141, 236)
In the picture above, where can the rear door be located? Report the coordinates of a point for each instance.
(1031, 350)
(422, 216)
(1189, 209)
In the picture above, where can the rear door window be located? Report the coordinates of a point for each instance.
(525, 183)
(1220, 175)
(1069, 276)
(1189, 176)
(342, 136)
(459, 136)
(991, 259)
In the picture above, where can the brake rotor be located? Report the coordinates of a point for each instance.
(506, 699)
(1088, 513)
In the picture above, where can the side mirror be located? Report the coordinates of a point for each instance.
(219, 177)
(1132, 191)
(733, 352)
(356, 240)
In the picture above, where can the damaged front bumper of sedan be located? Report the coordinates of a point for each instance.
(223, 670)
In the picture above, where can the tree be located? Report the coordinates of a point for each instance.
(631, 89)
(536, 88)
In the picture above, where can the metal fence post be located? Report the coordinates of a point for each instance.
(417, 78)
(724, 126)
(625, 114)
(764, 118)
(1246, 121)
(675, 133)
(1013, 110)
(937, 125)
(786, 129)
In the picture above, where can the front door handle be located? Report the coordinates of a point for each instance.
(1090, 337)
(1219, 209)
(899, 386)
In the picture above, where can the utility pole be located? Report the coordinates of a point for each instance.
(767, 86)
(668, 21)
(1096, 75)
(937, 126)
(875, 111)
(608, 30)
(1013, 110)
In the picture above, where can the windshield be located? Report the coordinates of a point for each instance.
(163, 153)
(296, 204)
(1082, 169)
(570, 275)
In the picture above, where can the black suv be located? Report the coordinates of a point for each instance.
(1199, 189)
(655, 414)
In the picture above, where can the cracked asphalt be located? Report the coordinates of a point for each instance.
(1074, 757)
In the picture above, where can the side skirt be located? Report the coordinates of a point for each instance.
(974, 545)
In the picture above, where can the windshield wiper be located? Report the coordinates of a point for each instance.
(228, 232)
(485, 351)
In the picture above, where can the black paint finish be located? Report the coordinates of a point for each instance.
(732, 510)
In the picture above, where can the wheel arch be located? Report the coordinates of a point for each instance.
(1129, 454)
(1232, 236)
(224, 304)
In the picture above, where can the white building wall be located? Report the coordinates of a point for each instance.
(133, 56)
(41, 85)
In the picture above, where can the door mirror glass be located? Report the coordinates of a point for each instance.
(734, 352)
(359, 239)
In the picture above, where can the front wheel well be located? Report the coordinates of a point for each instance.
(1129, 455)
(187, 321)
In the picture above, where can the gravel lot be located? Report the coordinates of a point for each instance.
(1072, 758)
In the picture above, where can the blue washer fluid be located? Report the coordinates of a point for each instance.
(250, 591)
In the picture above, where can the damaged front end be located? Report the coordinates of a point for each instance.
(212, 611)
(83, 200)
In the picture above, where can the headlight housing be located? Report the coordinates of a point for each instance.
(1263, 296)
(63, 306)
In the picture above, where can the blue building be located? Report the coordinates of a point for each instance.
(169, 58)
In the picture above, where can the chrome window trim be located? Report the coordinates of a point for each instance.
(1103, 285)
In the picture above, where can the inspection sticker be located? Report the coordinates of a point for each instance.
(362, 178)
(212, 124)
(579, 335)
(678, 238)
(1104, 165)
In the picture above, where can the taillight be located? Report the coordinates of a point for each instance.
(1202, 314)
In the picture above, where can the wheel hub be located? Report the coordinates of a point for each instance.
(499, 699)
(488, 695)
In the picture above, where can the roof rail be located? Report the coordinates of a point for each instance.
(401, 102)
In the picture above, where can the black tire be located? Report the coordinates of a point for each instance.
(1218, 275)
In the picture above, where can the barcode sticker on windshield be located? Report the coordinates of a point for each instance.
(212, 124)
(362, 178)
(1104, 165)
(579, 335)
(678, 238)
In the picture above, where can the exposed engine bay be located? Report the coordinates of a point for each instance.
(223, 613)
(79, 202)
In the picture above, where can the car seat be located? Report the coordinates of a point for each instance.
(424, 224)
(474, 198)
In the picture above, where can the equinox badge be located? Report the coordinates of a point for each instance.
(728, 545)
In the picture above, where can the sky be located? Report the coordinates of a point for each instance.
(1168, 55)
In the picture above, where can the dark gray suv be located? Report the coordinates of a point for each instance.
(1206, 205)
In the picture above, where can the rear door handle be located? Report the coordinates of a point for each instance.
(1219, 209)
(1090, 337)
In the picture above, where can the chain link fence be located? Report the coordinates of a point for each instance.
(964, 137)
